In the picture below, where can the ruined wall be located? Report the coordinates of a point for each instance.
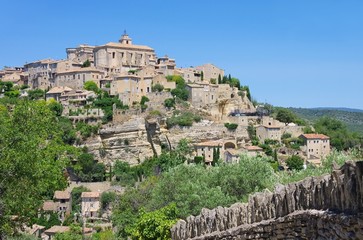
(288, 211)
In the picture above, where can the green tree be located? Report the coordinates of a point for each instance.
(231, 126)
(156, 224)
(91, 86)
(33, 158)
(157, 88)
(286, 116)
(295, 162)
(56, 107)
(87, 63)
(202, 75)
(169, 103)
(107, 198)
(219, 79)
(36, 94)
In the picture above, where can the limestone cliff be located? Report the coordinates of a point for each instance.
(325, 207)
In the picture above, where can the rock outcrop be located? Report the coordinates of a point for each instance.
(126, 141)
(325, 207)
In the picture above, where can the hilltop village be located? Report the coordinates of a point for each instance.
(130, 105)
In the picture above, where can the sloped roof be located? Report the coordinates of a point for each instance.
(90, 195)
(253, 148)
(57, 229)
(209, 144)
(62, 195)
(315, 136)
(49, 206)
(59, 90)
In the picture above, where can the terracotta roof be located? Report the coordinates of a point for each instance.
(62, 195)
(49, 206)
(314, 136)
(59, 90)
(57, 229)
(209, 144)
(90, 195)
(253, 148)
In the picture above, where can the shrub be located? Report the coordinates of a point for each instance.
(157, 88)
(295, 163)
(231, 126)
(107, 198)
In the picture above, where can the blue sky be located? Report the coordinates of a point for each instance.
(291, 53)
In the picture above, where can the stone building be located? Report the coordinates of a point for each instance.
(56, 92)
(42, 74)
(81, 54)
(123, 56)
(63, 203)
(202, 94)
(272, 132)
(190, 75)
(210, 72)
(206, 149)
(165, 65)
(75, 78)
(316, 146)
(90, 204)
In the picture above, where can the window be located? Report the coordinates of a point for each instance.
(113, 55)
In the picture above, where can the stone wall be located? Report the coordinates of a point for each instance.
(285, 213)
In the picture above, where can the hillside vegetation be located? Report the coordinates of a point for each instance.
(352, 119)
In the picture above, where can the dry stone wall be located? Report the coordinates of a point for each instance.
(325, 207)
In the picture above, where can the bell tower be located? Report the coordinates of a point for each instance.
(125, 39)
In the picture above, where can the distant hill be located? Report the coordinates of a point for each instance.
(339, 109)
(353, 118)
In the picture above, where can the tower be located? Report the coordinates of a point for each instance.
(125, 39)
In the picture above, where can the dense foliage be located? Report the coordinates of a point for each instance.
(184, 119)
(340, 137)
(33, 157)
(180, 91)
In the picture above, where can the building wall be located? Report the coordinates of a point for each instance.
(210, 71)
(207, 152)
(90, 207)
(317, 147)
(264, 133)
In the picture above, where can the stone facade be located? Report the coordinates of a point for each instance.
(75, 78)
(288, 212)
(123, 56)
(210, 72)
(317, 146)
(81, 54)
(90, 204)
(264, 132)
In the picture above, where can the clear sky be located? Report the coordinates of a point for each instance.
(291, 53)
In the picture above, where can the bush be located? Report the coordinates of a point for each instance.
(183, 119)
(157, 88)
(107, 198)
(231, 126)
(295, 162)
(169, 103)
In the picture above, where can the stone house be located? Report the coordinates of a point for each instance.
(57, 92)
(190, 75)
(210, 71)
(42, 73)
(165, 65)
(75, 78)
(90, 204)
(316, 146)
(116, 58)
(232, 155)
(202, 94)
(63, 203)
(205, 149)
(81, 54)
(272, 132)
(252, 150)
